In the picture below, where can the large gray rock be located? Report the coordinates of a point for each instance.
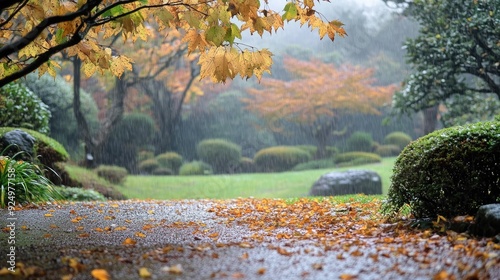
(17, 141)
(487, 220)
(347, 182)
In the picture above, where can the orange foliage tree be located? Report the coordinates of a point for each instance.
(316, 95)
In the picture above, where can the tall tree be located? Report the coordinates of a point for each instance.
(316, 95)
(32, 31)
(456, 53)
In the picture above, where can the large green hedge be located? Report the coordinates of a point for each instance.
(449, 172)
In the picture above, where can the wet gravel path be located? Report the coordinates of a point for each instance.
(191, 239)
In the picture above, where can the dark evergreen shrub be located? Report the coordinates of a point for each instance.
(170, 160)
(224, 156)
(360, 141)
(195, 168)
(449, 172)
(280, 158)
(20, 107)
(148, 165)
(113, 174)
(397, 138)
(356, 158)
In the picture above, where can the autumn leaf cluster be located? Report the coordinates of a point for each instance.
(34, 31)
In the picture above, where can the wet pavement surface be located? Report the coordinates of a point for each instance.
(230, 239)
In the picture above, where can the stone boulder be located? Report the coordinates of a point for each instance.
(16, 141)
(347, 182)
(487, 220)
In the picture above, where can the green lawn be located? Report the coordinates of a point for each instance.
(259, 185)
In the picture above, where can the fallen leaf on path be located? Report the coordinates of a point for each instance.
(100, 274)
(175, 269)
(129, 241)
(144, 272)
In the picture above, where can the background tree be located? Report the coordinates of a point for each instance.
(34, 31)
(456, 53)
(316, 96)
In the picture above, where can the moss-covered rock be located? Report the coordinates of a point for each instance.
(449, 172)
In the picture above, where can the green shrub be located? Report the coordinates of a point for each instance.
(356, 158)
(387, 150)
(57, 94)
(315, 164)
(170, 160)
(280, 158)
(397, 138)
(162, 171)
(130, 135)
(449, 172)
(23, 181)
(224, 156)
(20, 107)
(360, 141)
(149, 165)
(113, 174)
(144, 155)
(309, 148)
(331, 151)
(247, 165)
(79, 194)
(195, 168)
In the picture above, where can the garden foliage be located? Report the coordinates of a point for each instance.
(449, 172)
(224, 156)
(20, 107)
(113, 174)
(280, 158)
(195, 168)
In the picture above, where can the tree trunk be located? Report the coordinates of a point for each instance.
(94, 143)
(430, 119)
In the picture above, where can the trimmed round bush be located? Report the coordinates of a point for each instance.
(170, 160)
(149, 165)
(112, 174)
(309, 148)
(195, 168)
(449, 172)
(144, 155)
(247, 165)
(360, 141)
(20, 107)
(387, 150)
(280, 158)
(224, 156)
(356, 158)
(397, 138)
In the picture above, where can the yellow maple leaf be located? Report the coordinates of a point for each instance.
(144, 273)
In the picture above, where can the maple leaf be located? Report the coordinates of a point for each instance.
(100, 274)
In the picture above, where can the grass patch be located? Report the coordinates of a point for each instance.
(259, 185)
(90, 180)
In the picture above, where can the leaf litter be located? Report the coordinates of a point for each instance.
(243, 239)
